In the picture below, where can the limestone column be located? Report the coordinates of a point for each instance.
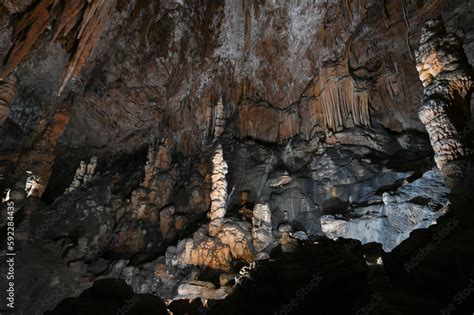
(219, 192)
(219, 120)
(447, 80)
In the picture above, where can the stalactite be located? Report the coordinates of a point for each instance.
(87, 17)
(344, 105)
(92, 24)
(27, 32)
(219, 192)
(405, 18)
(448, 79)
(7, 94)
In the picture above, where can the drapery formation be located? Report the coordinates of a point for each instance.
(343, 102)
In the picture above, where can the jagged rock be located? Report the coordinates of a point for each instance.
(412, 206)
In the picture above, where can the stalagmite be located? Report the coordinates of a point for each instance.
(219, 170)
(84, 174)
(158, 160)
(219, 120)
(7, 94)
(447, 79)
(219, 192)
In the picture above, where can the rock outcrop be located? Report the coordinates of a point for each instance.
(390, 219)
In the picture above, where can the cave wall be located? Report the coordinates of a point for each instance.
(273, 62)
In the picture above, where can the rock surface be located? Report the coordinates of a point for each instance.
(413, 206)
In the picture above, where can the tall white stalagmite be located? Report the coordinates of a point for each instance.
(219, 192)
(219, 120)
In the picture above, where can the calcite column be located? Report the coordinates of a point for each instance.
(7, 94)
(447, 80)
(219, 127)
(219, 192)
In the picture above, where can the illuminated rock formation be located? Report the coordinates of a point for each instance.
(84, 174)
(219, 192)
(7, 94)
(232, 243)
(219, 122)
(447, 80)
